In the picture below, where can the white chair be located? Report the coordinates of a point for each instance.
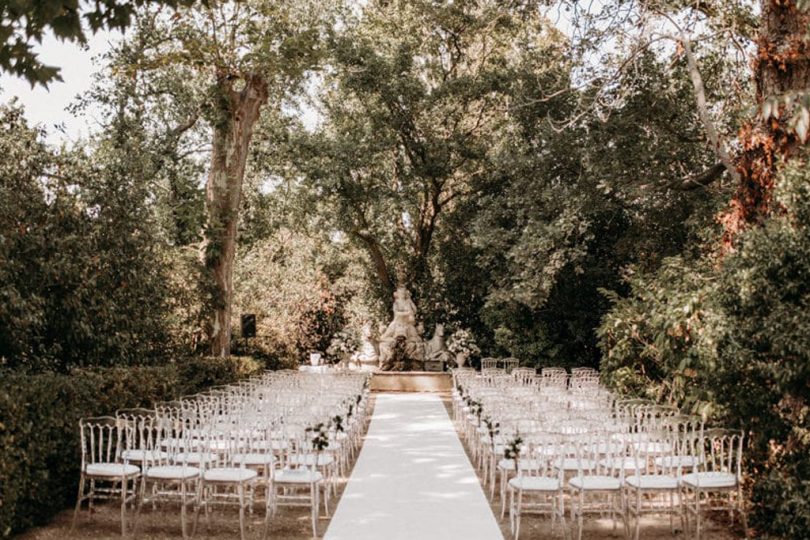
(719, 485)
(103, 472)
(654, 484)
(537, 487)
(300, 474)
(165, 482)
(597, 485)
(226, 479)
(489, 363)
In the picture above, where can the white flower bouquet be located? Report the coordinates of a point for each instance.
(462, 341)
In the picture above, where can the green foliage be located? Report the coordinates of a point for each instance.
(660, 340)
(763, 368)
(22, 23)
(732, 340)
(82, 276)
(303, 290)
(39, 415)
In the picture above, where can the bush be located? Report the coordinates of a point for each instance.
(763, 368)
(734, 335)
(39, 415)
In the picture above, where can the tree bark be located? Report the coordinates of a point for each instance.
(239, 110)
(782, 66)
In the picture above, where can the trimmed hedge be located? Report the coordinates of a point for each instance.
(39, 416)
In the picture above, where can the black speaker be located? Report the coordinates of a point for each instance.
(248, 325)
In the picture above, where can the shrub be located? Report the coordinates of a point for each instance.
(39, 415)
(734, 335)
(763, 369)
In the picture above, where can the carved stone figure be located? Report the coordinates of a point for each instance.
(436, 354)
(368, 356)
(401, 347)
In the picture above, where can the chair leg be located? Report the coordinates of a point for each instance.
(184, 510)
(267, 508)
(519, 510)
(138, 507)
(504, 480)
(79, 499)
(124, 491)
(241, 490)
(314, 493)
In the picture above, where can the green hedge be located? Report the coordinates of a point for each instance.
(39, 415)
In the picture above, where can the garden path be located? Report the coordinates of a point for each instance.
(412, 479)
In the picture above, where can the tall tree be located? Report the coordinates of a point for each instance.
(782, 79)
(244, 57)
(418, 93)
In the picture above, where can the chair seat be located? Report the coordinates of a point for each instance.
(172, 472)
(309, 459)
(297, 476)
(689, 462)
(535, 483)
(179, 443)
(111, 470)
(194, 457)
(595, 483)
(652, 481)
(229, 474)
(253, 459)
(139, 456)
(652, 447)
(525, 464)
(573, 464)
(710, 480)
(623, 463)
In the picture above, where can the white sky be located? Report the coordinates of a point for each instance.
(47, 107)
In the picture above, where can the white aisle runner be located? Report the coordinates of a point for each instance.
(412, 480)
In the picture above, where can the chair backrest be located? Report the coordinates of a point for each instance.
(653, 453)
(722, 450)
(538, 455)
(597, 453)
(524, 376)
(137, 426)
(489, 363)
(509, 364)
(100, 439)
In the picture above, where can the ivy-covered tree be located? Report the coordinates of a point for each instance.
(241, 57)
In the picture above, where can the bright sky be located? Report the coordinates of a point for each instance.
(48, 107)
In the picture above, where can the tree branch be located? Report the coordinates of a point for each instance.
(699, 180)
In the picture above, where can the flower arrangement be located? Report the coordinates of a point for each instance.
(337, 422)
(343, 344)
(462, 341)
(513, 447)
(493, 428)
(320, 436)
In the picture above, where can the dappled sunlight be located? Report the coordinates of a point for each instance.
(411, 478)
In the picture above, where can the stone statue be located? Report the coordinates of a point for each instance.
(368, 355)
(401, 347)
(436, 354)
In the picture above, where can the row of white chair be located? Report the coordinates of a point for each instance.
(279, 439)
(551, 445)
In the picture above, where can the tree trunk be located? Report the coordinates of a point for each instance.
(782, 66)
(239, 110)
